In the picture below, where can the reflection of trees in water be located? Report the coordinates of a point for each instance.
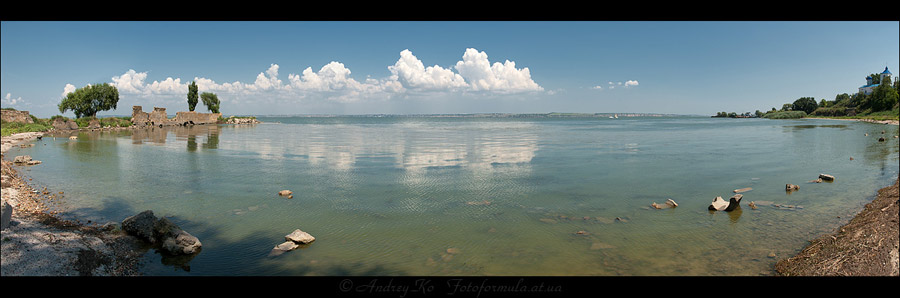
(187, 133)
(878, 153)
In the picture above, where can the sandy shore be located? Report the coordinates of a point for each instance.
(37, 243)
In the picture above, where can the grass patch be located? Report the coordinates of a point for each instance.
(9, 128)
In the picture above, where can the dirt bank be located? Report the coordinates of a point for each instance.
(865, 246)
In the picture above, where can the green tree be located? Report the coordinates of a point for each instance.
(192, 96)
(883, 97)
(787, 107)
(211, 101)
(806, 104)
(876, 78)
(759, 114)
(90, 99)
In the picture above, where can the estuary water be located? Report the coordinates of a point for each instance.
(476, 196)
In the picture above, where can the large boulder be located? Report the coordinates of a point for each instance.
(141, 225)
(163, 231)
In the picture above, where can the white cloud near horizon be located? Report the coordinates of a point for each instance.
(612, 85)
(409, 74)
(11, 101)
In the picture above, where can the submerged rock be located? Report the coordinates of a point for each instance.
(791, 187)
(283, 248)
(746, 189)
(600, 245)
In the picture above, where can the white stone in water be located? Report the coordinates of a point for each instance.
(300, 237)
(672, 203)
(718, 204)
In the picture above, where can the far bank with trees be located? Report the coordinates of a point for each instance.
(878, 99)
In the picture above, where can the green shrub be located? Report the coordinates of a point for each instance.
(832, 112)
(785, 115)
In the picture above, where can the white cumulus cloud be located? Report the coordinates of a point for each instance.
(500, 77)
(68, 89)
(411, 73)
(333, 81)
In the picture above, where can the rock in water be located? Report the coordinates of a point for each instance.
(283, 247)
(141, 225)
(285, 193)
(671, 203)
(182, 243)
(752, 205)
(826, 177)
(300, 237)
(791, 187)
(718, 204)
(734, 202)
(22, 159)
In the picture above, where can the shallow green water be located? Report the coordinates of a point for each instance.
(390, 196)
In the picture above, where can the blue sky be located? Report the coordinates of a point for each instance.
(331, 67)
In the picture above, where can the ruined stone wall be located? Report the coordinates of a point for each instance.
(16, 116)
(158, 116)
(138, 117)
(196, 118)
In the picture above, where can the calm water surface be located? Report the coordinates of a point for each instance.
(390, 196)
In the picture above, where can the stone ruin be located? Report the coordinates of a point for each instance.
(159, 118)
(16, 116)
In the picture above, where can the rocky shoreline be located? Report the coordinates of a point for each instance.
(865, 246)
(37, 243)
